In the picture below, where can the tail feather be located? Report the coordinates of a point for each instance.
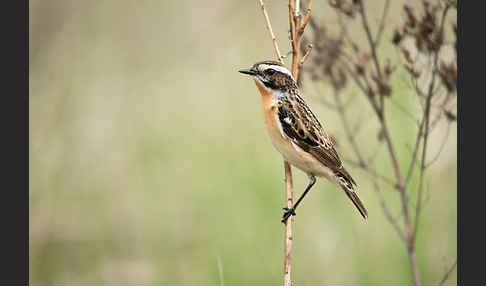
(347, 183)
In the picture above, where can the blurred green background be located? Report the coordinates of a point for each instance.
(150, 165)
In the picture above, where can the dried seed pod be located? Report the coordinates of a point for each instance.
(453, 3)
(448, 75)
(342, 76)
(370, 92)
(347, 9)
(419, 42)
(339, 78)
(359, 67)
(412, 70)
(406, 54)
(361, 63)
(449, 115)
(411, 20)
(384, 88)
(388, 68)
(397, 37)
(335, 3)
(427, 24)
(434, 42)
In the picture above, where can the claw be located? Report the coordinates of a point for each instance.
(288, 212)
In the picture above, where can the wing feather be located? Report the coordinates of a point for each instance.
(302, 127)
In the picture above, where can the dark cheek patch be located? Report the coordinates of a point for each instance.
(270, 84)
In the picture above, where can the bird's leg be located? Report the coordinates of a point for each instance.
(291, 211)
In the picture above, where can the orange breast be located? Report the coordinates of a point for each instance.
(296, 156)
(269, 109)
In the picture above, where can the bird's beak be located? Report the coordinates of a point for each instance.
(248, 71)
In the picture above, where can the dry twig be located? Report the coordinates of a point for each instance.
(269, 27)
(373, 81)
(296, 31)
(448, 273)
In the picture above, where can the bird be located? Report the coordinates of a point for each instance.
(297, 134)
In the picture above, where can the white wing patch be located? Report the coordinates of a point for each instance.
(297, 148)
(287, 120)
(280, 126)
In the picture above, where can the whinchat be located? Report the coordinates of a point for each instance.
(297, 134)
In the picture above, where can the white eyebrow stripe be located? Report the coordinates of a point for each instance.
(281, 69)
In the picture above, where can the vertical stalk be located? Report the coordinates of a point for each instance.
(289, 195)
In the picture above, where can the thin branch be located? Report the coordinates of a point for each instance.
(388, 214)
(448, 273)
(382, 23)
(364, 89)
(344, 32)
(371, 172)
(289, 194)
(288, 226)
(304, 58)
(347, 129)
(307, 16)
(426, 129)
(374, 91)
(441, 148)
(369, 37)
(269, 27)
(415, 153)
(291, 23)
(404, 110)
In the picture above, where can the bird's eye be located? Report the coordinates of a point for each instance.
(270, 71)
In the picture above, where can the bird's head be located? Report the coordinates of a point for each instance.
(272, 76)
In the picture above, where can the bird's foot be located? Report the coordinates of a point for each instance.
(288, 212)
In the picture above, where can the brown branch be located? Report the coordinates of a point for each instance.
(375, 93)
(369, 37)
(347, 129)
(291, 23)
(296, 33)
(448, 273)
(441, 148)
(414, 156)
(426, 128)
(409, 234)
(393, 157)
(288, 226)
(288, 172)
(304, 58)
(296, 49)
(365, 89)
(307, 16)
(269, 27)
(382, 23)
(388, 214)
(371, 172)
